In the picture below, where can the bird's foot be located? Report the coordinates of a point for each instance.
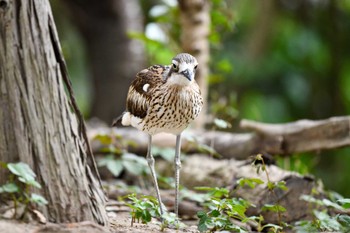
(171, 221)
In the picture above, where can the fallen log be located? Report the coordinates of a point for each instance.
(281, 139)
(302, 135)
(201, 170)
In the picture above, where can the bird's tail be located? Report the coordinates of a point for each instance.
(117, 122)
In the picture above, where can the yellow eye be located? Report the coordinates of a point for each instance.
(175, 67)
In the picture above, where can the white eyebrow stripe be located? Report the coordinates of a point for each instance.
(145, 87)
(185, 66)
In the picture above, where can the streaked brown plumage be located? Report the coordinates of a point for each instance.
(164, 99)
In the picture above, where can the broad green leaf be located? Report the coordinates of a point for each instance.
(22, 170)
(40, 200)
(345, 203)
(115, 167)
(134, 164)
(33, 183)
(146, 216)
(311, 199)
(166, 153)
(9, 188)
(344, 220)
(105, 160)
(215, 213)
(202, 224)
(327, 222)
(201, 214)
(329, 203)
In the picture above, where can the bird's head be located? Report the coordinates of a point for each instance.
(183, 69)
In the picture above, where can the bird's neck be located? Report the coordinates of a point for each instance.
(178, 80)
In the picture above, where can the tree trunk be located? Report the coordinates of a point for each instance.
(114, 57)
(195, 24)
(258, 40)
(38, 124)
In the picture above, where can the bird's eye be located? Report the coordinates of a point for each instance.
(175, 67)
(195, 67)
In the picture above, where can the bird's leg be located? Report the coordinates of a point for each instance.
(150, 161)
(177, 173)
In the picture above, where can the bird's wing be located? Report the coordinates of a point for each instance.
(142, 88)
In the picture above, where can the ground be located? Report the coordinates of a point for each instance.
(119, 223)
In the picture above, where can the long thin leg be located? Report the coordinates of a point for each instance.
(177, 172)
(150, 161)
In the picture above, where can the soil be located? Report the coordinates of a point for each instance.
(122, 223)
(119, 223)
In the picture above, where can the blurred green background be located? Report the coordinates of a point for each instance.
(270, 61)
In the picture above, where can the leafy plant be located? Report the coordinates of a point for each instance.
(323, 220)
(223, 210)
(128, 161)
(117, 158)
(259, 163)
(21, 179)
(145, 208)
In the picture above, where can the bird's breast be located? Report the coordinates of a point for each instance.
(172, 110)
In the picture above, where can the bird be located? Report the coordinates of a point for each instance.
(164, 98)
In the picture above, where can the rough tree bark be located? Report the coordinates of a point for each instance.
(114, 57)
(38, 124)
(195, 25)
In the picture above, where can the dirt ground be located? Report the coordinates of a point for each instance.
(119, 223)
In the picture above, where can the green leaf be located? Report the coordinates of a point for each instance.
(251, 182)
(111, 149)
(105, 160)
(203, 217)
(270, 185)
(208, 149)
(134, 164)
(166, 153)
(146, 216)
(23, 171)
(33, 183)
(345, 203)
(215, 213)
(9, 188)
(40, 200)
(329, 203)
(104, 139)
(201, 214)
(275, 228)
(311, 199)
(344, 220)
(282, 185)
(221, 123)
(115, 167)
(327, 222)
(274, 208)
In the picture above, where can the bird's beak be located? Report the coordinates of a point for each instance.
(188, 74)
